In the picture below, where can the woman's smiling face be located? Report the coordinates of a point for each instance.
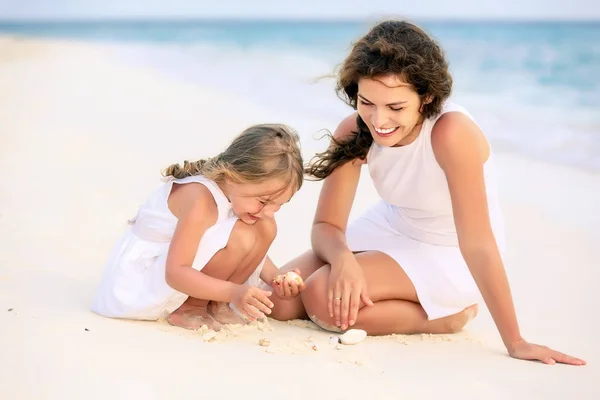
(390, 108)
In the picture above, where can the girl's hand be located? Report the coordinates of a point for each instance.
(529, 351)
(253, 302)
(347, 288)
(288, 285)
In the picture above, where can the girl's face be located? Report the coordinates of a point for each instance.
(253, 201)
(390, 108)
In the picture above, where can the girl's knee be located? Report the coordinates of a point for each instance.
(266, 230)
(246, 237)
(243, 237)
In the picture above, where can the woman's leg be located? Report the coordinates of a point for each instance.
(396, 308)
(245, 249)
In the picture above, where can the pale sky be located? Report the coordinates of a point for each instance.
(328, 9)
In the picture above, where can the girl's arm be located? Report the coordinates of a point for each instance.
(461, 151)
(269, 271)
(194, 206)
(286, 289)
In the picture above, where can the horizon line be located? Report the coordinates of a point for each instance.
(175, 18)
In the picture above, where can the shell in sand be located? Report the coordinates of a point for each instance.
(353, 336)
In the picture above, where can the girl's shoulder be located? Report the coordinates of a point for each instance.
(193, 200)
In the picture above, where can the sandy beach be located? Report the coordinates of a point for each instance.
(82, 142)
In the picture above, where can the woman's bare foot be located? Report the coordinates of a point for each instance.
(223, 314)
(193, 317)
(452, 323)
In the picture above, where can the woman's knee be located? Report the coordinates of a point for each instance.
(314, 298)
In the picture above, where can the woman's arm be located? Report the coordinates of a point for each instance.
(328, 237)
(461, 151)
(194, 206)
(335, 202)
(346, 285)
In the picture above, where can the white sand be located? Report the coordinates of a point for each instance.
(82, 141)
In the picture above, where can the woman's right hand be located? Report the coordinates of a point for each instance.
(347, 288)
(253, 302)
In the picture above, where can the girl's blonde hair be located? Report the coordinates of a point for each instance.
(259, 153)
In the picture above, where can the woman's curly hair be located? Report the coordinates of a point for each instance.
(389, 48)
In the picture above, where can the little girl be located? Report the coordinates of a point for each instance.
(198, 244)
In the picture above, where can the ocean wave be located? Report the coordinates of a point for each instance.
(518, 115)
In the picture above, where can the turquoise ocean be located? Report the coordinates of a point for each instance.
(533, 86)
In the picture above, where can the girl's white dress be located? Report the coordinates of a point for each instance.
(413, 222)
(133, 285)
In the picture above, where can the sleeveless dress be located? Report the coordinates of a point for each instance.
(133, 285)
(413, 222)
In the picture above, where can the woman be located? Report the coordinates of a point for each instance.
(419, 259)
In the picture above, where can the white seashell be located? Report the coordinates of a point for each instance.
(291, 276)
(334, 340)
(353, 336)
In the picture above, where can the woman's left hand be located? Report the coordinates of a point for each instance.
(523, 350)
